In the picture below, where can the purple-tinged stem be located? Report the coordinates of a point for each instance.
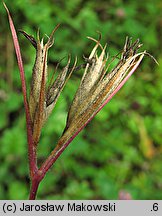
(31, 149)
(34, 188)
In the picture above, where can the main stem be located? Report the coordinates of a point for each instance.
(34, 187)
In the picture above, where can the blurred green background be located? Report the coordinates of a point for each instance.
(121, 149)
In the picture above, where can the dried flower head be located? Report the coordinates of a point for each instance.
(96, 88)
(42, 97)
(97, 84)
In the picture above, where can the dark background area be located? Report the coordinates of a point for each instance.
(121, 149)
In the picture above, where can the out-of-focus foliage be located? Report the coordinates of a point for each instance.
(122, 147)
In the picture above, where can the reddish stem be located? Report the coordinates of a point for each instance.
(34, 188)
(31, 149)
